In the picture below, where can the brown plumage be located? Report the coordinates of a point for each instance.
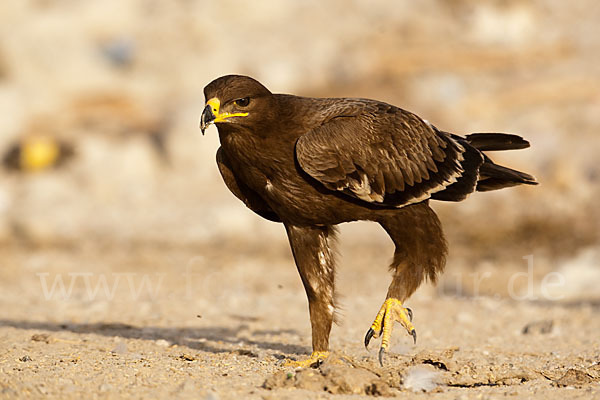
(314, 163)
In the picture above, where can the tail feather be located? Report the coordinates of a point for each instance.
(493, 176)
(496, 141)
(480, 172)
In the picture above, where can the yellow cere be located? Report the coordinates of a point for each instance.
(215, 105)
(38, 154)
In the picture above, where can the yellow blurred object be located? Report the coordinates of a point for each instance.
(38, 154)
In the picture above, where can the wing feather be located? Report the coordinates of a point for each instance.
(380, 154)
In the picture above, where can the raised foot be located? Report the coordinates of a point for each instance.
(391, 310)
(316, 357)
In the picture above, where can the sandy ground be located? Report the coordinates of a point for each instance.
(219, 321)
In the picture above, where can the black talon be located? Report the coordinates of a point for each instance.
(409, 311)
(368, 337)
(381, 351)
(414, 335)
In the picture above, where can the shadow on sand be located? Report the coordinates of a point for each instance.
(201, 338)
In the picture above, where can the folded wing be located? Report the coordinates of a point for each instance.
(384, 155)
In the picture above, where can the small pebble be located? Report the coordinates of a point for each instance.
(120, 348)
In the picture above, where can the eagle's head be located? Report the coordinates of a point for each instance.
(235, 99)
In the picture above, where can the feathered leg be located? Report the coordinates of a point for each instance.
(315, 262)
(420, 253)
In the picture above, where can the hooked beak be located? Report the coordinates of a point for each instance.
(211, 114)
(207, 118)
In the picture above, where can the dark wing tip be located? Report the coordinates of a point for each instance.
(496, 141)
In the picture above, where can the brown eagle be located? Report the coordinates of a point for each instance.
(313, 163)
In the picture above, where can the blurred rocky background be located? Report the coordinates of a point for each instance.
(100, 100)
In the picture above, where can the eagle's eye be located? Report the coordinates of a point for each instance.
(242, 102)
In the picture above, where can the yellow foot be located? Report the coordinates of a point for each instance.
(316, 357)
(390, 311)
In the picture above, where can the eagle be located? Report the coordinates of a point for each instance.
(313, 163)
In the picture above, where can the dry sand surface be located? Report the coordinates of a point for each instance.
(129, 271)
(219, 322)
